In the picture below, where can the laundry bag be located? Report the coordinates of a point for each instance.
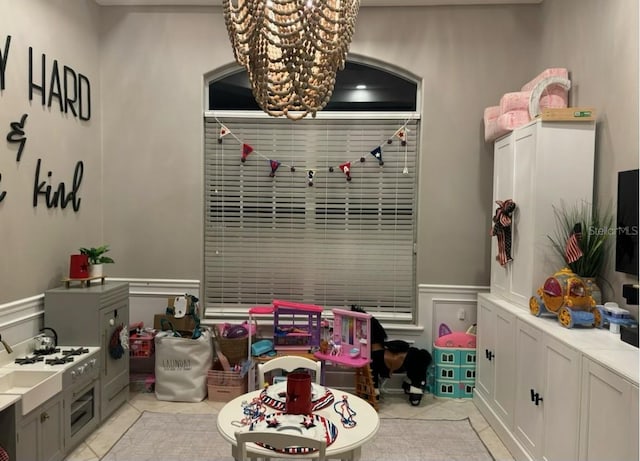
(182, 365)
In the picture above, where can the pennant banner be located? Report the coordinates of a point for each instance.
(346, 169)
(274, 166)
(377, 153)
(246, 150)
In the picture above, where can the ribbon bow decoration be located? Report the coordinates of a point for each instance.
(502, 229)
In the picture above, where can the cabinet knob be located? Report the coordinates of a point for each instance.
(44, 416)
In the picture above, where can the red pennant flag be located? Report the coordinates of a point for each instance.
(274, 166)
(346, 169)
(246, 150)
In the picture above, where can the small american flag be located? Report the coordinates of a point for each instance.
(572, 251)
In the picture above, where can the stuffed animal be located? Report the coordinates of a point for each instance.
(397, 356)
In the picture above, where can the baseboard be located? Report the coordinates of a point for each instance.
(503, 433)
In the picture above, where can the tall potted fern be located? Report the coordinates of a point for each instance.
(592, 241)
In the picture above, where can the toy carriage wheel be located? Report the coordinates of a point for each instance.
(598, 318)
(565, 318)
(534, 306)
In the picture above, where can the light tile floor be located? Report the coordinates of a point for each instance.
(392, 406)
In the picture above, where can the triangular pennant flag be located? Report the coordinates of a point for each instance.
(377, 153)
(401, 134)
(246, 150)
(346, 169)
(310, 175)
(223, 132)
(274, 166)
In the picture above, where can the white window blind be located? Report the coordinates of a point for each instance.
(335, 243)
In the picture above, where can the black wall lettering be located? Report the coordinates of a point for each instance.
(16, 135)
(32, 85)
(69, 102)
(58, 198)
(3, 60)
(3, 193)
(54, 86)
(84, 84)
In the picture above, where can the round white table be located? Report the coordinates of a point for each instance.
(348, 443)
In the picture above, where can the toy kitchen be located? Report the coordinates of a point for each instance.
(68, 379)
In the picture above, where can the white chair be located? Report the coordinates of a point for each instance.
(289, 363)
(277, 440)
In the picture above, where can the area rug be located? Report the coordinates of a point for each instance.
(174, 437)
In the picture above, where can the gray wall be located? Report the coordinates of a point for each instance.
(35, 242)
(152, 62)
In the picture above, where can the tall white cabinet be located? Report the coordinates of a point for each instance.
(550, 393)
(538, 166)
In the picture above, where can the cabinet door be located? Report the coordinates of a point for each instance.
(115, 370)
(502, 190)
(485, 350)
(51, 431)
(561, 400)
(504, 392)
(528, 419)
(40, 433)
(524, 227)
(608, 421)
(27, 437)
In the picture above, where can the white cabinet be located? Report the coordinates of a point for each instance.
(609, 420)
(547, 403)
(538, 166)
(495, 360)
(552, 393)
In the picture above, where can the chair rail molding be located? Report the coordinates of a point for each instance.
(455, 305)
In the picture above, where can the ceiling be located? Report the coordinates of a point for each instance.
(362, 2)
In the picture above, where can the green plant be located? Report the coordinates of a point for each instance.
(596, 230)
(96, 255)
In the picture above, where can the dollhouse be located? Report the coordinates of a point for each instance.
(296, 326)
(349, 341)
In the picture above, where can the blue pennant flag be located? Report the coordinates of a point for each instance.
(377, 153)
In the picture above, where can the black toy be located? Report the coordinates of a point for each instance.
(397, 356)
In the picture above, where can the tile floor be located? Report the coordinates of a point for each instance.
(393, 405)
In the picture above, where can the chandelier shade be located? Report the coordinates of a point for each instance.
(291, 50)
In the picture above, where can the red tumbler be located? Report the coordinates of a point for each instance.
(79, 267)
(298, 394)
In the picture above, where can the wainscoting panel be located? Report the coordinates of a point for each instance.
(453, 305)
(21, 319)
(148, 297)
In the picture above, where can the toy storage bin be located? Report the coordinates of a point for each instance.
(141, 346)
(223, 386)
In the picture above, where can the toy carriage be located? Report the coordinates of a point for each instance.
(567, 296)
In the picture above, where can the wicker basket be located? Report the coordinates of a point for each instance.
(235, 349)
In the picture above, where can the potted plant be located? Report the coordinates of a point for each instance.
(590, 229)
(96, 259)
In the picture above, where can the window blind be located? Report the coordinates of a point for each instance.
(333, 243)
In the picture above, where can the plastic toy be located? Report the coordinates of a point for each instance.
(616, 316)
(296, 326)
(351, 331)
(568, 297)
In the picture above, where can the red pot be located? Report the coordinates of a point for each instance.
(79, 267)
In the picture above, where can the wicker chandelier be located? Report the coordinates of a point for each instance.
(291, 49)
